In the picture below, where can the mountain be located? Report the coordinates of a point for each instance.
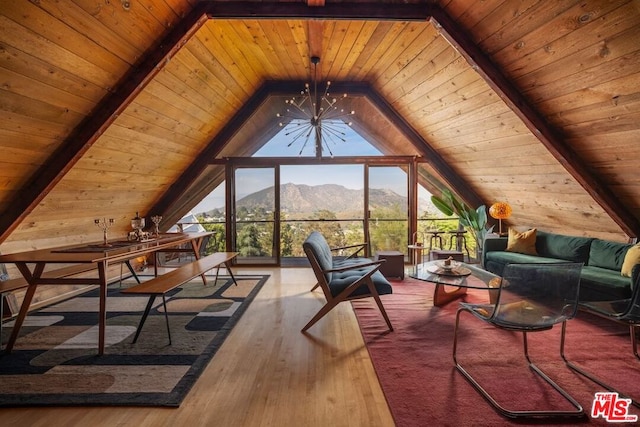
(307, 199)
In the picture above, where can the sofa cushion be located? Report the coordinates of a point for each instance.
(524, 243)
(631, 258)
(341, 280)
(495, 261)
(597, 283)
(570, 248)
(317, 244)
(605, 254)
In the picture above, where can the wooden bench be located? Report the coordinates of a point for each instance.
(160, 285)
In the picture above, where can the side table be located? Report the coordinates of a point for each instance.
(393, 265)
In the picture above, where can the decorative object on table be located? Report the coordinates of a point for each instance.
(104, 225)
(500, 211)
(452, 269)
(440, 254)
(138, 223)
(473, 219)
(156, 224)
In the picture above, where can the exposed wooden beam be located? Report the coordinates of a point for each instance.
(314, 31)
(347, 11)
(83, 137)
(536, 123)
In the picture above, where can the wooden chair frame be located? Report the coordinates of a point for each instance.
(345, 295)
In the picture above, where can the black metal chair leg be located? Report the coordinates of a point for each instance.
(230, 272)
(133, 272)
(166, 317)
(144, 317)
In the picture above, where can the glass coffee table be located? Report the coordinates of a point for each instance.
(457, 275)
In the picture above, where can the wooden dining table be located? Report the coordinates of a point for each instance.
(101, 256)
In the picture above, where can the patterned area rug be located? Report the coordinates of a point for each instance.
(55, 360)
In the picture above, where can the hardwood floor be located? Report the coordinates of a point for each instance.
(267, 373)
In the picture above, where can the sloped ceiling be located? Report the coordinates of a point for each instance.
(109, 107)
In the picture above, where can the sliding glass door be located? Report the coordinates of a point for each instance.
(388, 208)
(254, 215)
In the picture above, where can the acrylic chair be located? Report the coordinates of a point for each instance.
(626, 311)
(531, 298)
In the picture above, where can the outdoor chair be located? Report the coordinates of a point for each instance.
(343, 282)
(531, 298)
(626, 311)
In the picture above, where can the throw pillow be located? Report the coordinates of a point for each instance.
(631, 258)
(524, 243)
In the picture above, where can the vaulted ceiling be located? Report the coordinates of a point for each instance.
(109, 108)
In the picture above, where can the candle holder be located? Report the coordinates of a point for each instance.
(104, 225)
(156, 224)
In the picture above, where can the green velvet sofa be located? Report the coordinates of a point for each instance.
(600, 279)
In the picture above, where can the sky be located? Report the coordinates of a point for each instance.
(349, 176)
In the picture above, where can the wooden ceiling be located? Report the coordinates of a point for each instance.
(109, 108)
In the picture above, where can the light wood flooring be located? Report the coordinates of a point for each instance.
(267, 373)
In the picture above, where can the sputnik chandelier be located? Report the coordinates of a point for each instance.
(315, 117)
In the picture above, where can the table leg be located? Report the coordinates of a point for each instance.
(24, 309)
(442, 297)
(102, 320)
(26, 302)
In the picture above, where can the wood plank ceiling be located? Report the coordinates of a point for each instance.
(109, 107)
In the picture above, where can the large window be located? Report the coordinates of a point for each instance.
(326, 198)
(254, 215)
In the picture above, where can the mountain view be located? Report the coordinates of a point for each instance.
(303, 199)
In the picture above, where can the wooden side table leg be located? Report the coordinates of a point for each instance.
(442, 297)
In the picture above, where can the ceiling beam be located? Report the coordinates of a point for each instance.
(535, 121)
(93, 126)
(335, 11)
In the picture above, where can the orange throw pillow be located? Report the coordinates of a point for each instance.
(524, 243)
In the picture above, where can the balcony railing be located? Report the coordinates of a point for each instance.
(338, 232)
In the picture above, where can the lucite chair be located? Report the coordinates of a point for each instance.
(531, 298)
(626, 311)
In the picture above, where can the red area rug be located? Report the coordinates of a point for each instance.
(415, 366)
